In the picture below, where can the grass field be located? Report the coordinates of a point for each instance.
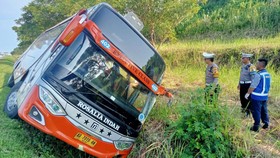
(19, 139)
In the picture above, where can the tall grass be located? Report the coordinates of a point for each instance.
(187, 53)
(212, 131)
(185, 74)
(233, 19)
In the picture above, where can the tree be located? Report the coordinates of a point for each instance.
(40, 15)
(160, 17)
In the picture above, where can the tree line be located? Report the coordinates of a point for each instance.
(164, 20)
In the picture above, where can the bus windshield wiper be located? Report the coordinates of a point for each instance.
(69, 92)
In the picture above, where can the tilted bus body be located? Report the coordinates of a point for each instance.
(89, 81)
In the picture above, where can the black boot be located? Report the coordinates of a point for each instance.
(265, 126)
(254, 128)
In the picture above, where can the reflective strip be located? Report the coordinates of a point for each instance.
(263, 82)
(243, 82)
(263, 88)
(264, 73)
(259, 94)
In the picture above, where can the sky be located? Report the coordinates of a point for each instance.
(10, 10)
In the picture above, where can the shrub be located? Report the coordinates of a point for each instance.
(207, 129)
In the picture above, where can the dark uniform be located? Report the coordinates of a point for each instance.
(246, 76)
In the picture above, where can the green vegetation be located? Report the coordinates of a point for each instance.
(160, 17)
(227, 52)
(209, 135)
(165, 21)
(189, 128)
(225, 19)
(180, 131)
(163, 133)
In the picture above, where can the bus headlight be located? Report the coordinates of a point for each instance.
(51, 104)
(19, 72)
(123, 145)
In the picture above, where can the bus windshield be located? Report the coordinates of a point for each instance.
(87, 68)
(127, 40)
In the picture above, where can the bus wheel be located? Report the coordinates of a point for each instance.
(11, 106)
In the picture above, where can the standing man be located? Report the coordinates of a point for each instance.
(211, 78)
(259, 95)
(246, 76)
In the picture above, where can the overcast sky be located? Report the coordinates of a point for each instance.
(10, 10)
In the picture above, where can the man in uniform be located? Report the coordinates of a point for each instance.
(259, 95)
(246, 76)
(211, 78)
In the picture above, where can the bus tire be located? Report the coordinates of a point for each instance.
(11, 106)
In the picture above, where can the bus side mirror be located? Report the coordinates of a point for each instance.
(73, 29)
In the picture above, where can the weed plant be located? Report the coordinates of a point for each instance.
(207, 129)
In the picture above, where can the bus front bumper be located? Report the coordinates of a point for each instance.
(34, 112)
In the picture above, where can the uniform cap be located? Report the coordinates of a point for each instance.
(245, 55)
(208, 55)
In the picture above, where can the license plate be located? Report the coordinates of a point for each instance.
(85, 139)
